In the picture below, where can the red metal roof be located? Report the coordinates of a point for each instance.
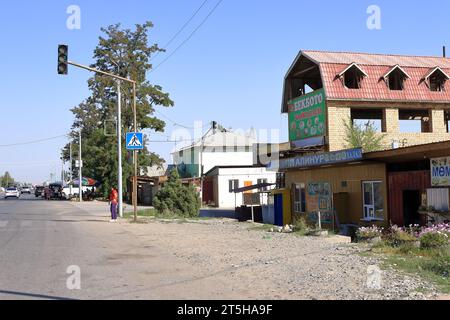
(373, 87)
(376, 59)
(376, 65)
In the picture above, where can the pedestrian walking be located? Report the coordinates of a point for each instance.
(114, 201)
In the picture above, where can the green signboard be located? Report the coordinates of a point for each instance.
(307, 116)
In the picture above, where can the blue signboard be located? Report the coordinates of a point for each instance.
(319, 159)
(135, 141)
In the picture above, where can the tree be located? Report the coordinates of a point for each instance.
(6, 180)
(176, 199)
(125, 52)
(363, 136)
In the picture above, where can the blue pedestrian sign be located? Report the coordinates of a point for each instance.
(135, 141)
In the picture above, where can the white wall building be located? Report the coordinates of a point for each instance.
(220, 180)
(219, 148)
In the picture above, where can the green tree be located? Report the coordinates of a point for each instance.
(126, 52)
(363, 136)
(177, 199)
(7, 180)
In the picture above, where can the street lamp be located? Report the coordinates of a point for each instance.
(80, 166)
(119, 141)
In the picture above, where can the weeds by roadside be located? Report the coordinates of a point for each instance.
(423, 252)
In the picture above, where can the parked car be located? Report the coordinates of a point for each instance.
(12, 193)
(25, 190)
(39, 191)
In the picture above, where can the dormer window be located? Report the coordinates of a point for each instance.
(352, 76)
(436, 79)
(395, 78)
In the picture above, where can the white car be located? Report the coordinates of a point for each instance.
(25, 190)
(12, 193)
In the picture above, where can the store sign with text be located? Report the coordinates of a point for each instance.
(307, 116)
(440, 172)
(319, 159)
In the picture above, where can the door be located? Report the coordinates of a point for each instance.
(411, 202)
(278, 204)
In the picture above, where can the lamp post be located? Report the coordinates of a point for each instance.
(80, 166)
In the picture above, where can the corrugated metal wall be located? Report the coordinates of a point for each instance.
(401, 181)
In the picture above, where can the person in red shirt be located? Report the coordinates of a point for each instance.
(114, 201)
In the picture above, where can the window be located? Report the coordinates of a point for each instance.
(414, 121)
(437, 83)
(395, 78)
(299, 198)
(363, 117)
(260, 181)
(447, 120)
(436, 80)
(352, 76)
(232, 185)
(281, 180)
(373, 202)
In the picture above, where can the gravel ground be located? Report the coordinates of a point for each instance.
(255, 264)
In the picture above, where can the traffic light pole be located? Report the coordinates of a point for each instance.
(119, 147)
(135, 125)
(80, 168)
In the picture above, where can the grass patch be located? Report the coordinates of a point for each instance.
(432, 265)
(141, 213)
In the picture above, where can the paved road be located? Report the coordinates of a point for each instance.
(40, 240)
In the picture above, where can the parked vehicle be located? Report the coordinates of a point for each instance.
(25, 190)
(39, 191)
(12, 193)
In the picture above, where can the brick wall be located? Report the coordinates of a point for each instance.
(338, 111)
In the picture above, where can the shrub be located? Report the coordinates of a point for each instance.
(433, 240)
(401, 236)
(174, 199)
(365, 233)
(435, 236)
(300, 224)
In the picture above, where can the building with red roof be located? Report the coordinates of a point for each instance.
(359, 86)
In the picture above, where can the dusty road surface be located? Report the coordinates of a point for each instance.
(42, 242)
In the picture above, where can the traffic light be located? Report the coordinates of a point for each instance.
(63, 56)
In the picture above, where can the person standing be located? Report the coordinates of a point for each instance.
(114, 201)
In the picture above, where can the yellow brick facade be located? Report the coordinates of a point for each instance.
(338, 112)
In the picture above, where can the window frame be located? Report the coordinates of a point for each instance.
(232, 185)
(300, 205)
(368, 208)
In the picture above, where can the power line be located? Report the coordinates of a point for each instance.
(181, 30)
(32, 142)
(178, 124)
(189, 37)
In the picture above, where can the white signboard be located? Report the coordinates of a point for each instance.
(440, 172)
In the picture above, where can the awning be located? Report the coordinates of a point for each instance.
(256, 186)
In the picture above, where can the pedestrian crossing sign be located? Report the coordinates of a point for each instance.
(135, 141)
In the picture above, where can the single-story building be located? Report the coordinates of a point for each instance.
(220, 181)
(349, 187)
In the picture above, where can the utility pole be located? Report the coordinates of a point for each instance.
(119, 147)
(80, 165)
(135, 187)
(71, 168)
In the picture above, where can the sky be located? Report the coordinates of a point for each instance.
(230, 70)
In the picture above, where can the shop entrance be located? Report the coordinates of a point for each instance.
(411, 204)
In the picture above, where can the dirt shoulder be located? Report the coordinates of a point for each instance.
(253, 264)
